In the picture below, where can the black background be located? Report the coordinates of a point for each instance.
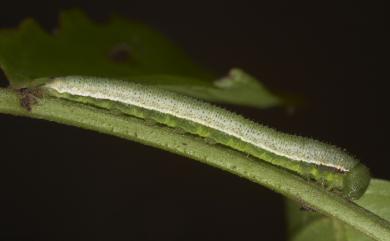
(63, 183)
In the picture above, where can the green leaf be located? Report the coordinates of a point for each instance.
(308, 225)
(122, 50)
(237, 87)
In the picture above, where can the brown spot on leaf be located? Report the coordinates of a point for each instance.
(120, 53)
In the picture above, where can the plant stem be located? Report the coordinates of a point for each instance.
(275, 178)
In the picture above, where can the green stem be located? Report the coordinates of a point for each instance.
(277, 179)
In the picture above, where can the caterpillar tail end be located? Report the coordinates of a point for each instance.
(356, 182)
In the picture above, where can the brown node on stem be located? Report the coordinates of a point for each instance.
(29, 97)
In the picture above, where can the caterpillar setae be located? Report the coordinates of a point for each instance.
(326, 164)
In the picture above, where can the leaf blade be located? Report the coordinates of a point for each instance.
(118, 49)
(307, 225)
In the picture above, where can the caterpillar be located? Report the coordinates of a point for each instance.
(323, 163)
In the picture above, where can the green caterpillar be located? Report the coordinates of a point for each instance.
(328, 165)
